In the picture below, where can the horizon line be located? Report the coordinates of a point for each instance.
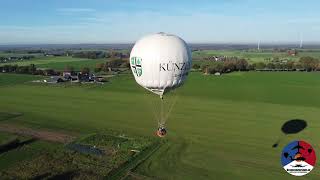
(127, 43)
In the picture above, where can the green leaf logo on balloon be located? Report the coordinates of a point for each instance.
(136, 66)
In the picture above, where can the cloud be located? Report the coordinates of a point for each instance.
(299, 20)
(73, 11)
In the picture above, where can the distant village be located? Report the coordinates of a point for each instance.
(291, 52)
(15, 58)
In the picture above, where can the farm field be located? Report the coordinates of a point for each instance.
(77, 64)
(43, 159)
(254, 56)
(60, 63)
(220, 128)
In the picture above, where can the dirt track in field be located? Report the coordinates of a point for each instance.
(43, 134)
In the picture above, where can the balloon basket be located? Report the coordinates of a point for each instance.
(161, 132)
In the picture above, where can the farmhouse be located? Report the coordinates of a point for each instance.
(55, 53)
(215, 58)
(14, 58)
(292, 52)
(55, 79)
(66, 74)
(80, 77)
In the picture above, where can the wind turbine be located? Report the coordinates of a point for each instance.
(301, 41)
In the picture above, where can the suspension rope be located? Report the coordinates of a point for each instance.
(162, 113)
(171, 106)
(166, 107)
(162, 120)
(152, 103)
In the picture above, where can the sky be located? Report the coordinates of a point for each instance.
(125, 21)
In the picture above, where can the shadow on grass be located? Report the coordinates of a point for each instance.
(14, 144)
(292, 126)
(6, 116)
(64, 175)
(42, 176)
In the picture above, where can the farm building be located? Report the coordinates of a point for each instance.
(292, 52)
(55, 79)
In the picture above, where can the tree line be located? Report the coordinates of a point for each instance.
(303, 64)
(4, 59)
(111, 65)
(31, 69)
(240, 64)
(225, 66)
(208, 67)
(99, 54)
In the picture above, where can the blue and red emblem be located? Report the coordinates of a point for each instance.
(298, 158)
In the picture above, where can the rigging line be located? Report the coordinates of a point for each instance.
(171, 106)
(155, 105)
(162, 120)
(152, 104)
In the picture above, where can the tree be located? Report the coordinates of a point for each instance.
(298, 66)
(99, 67)
(278, 66)
(229, 65)
(39, 72)
(69, 69)
(309, 63)
(205, 68)
(290, 65)
(241, 65)
(270, 66)
(13, 68)
(276, 59)
(196, 66)
(217, 67)
(49, 72)
(114, 63)
(260, 65)
(23, 70)
(32, 69)
(89, 54)
(125, 64)
(85, 70)
(251, 67)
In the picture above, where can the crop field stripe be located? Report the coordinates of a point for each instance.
(125, 168)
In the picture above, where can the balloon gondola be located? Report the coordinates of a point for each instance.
(161, 132)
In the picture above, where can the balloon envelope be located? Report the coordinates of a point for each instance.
(160, 62)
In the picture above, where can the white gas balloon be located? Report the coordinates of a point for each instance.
(160, 62)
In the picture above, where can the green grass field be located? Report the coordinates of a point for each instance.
(77, 65)
(220, 128)
(5, 137)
